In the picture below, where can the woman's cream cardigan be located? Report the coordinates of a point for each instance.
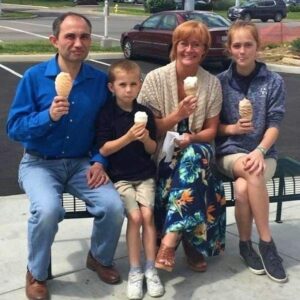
(160, 93)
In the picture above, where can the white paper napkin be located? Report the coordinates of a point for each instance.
(169, 144)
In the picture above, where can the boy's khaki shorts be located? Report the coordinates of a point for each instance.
(135, 193)
(225, 165)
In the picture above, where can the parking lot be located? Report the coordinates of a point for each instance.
(40, 28)
(11, 152)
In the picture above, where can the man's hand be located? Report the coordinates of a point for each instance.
(96, 176)
(59, 107)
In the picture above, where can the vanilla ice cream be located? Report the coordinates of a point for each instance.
(190, 85)
(140, 117)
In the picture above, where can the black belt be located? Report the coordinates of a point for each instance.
(39, 155)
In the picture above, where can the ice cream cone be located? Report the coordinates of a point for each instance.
(63, 84)
(245, 109)
(140, 117)
(190, 85)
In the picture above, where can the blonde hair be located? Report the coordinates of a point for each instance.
(248, 26)
(122, 65)
(189, 29)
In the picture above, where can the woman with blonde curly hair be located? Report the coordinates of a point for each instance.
(190, 204)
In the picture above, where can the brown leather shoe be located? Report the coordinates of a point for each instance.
(195, 260)
(165, 258)
(107, 274)
(36, 290)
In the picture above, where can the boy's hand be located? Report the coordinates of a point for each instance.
(136, 132)
(145, 136)
(59, 107)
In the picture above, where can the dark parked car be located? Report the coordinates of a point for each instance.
(263, 10)
(153, 38)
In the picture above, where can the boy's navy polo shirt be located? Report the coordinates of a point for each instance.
(132, 162)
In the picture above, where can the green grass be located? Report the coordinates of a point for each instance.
(42, 47)
(293, 15)
(47, 3)
(16, 15)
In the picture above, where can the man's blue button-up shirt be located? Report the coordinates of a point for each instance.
(74, 134)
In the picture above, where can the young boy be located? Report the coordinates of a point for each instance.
(128, 147)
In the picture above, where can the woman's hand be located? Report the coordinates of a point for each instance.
(243, 126)
(187, 107)
(184, 141)
(254, 162)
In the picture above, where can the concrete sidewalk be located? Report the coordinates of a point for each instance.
(226, 278)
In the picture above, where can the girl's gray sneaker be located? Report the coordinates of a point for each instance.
(272, 262)
(251, 258)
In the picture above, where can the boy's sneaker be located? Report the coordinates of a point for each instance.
(272, 261)
(251, 258)
(135, 285)
(154, 285)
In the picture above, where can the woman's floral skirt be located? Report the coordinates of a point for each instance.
(190, 200)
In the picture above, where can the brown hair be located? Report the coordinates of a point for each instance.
(190, 29)
(250, 27)
(57, 22)
(122, 65)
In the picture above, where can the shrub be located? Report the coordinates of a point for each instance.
(153, 6)
(295, 8)
(296, 44)
(202, 6)
(222, 5)
(272, 46)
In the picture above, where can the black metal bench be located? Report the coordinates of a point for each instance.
(284, 186)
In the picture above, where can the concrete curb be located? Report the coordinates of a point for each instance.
(284, 68)
(42, 57)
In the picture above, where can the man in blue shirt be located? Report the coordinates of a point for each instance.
(58, 135)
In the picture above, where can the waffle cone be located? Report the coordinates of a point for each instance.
(190, 92)
(245, 109)
(63, 84)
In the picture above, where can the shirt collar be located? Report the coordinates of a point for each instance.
(120, 111)
(53, 69)
(261, 73)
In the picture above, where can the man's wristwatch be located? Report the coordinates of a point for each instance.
(262, 149)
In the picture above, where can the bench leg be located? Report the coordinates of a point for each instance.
(281, 190)
(278, 212)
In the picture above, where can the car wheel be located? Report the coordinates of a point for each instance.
(278, 17)
(128, 49)
(247, 17)
(264, 20)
